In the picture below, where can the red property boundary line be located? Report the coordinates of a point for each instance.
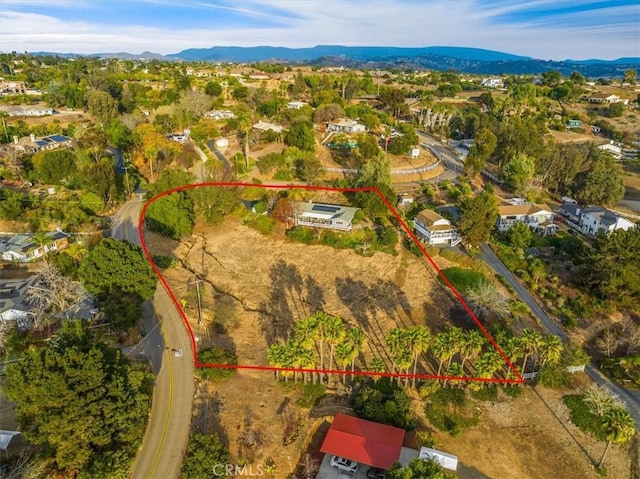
(409, 233)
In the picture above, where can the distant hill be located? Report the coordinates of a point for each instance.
(461, 59)
(254, 54)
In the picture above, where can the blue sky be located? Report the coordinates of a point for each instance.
(547, 29)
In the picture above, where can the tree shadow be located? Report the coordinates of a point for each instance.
(277, 316)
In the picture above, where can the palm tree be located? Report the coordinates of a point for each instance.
(551, 350)
(320, 318)
(488, 364)
(357, 339)
(275, 356)
(619, 428)
(419, 338)
(472, 345)
(514, 350)
(334, 332)
(344, 355)
(455, 370)
(396, 342)
(3, 116)
(456, 339)
(404, 362)
(43, 239)
(305, 332)
(377, 365)
(441, 349)
(531, 340)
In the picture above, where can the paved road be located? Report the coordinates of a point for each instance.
(451, 161)
(165, 439)
(629, 397)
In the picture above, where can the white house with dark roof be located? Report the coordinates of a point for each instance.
(433, 229)
(538, 218)
(14, 310)
(321, 215)
(23, 248)
(220, 114)
(266, 126)
(33, 144)
(296, 105)
(594, 220)
(345, 125)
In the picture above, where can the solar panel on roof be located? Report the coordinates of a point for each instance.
(325, 208)
(41, 143)
(58, 138)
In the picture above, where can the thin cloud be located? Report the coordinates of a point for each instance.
(542, 28)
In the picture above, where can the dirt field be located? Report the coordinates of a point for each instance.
(257, 287)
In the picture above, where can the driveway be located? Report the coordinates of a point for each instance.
(631, 399)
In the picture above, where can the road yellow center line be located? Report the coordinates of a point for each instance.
(166, 420)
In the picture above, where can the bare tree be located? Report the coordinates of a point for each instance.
(51, 293)
(607, 343)
(600, 401)
(309, 466)
(630, 335)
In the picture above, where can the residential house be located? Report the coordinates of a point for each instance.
(23, 248)
(296, 105)
(492, 82)
(594, 220)
(14, 309)
(220, 114)
(12, 88)
(538, 218)
(611, 147)
(32, 144)
(433, 229)
(22, 110)
(345, 125)
(320, 215)
(266, 126)
(603, 98)
(222, 143)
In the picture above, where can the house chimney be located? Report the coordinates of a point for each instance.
(32, 137)
(15, 139)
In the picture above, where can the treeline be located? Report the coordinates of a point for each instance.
(321, 341)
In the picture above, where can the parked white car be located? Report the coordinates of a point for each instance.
(343, 464)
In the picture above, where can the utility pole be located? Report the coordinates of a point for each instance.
(126, 175)
(197, 283)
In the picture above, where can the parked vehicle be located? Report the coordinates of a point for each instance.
(376, 473)
(344, 464)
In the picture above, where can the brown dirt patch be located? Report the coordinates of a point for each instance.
(532, 437)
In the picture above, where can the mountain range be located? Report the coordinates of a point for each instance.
(461, 59)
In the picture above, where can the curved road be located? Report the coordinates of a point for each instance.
(165, 439)
(630, 398)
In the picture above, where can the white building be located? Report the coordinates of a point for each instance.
(320, 215)
(21, 110)
(594, 220)
(220, 114)
(345, 125)
(492, 82)
(611, 147)
(222, 143)
(296, 105)
(538, 218)
(266, 126)
(433, 229)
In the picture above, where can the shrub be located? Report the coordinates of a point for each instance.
(163, 261)
(263, 224)
(582, 417)
(445, 409)
(311, 394)
(384, 401)
(513, 391)
(487, 393)
(463, 279)
(218, 356)
(555, 376)
(303, 235)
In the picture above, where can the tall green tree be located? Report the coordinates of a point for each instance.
(484, 144)
(102, 105)
(206, 455)
(83, 402)
(119, 267)
(518, 173)
(612, 268)
(619, 427)
(602, 184)
(301, 135)
(478, 215)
